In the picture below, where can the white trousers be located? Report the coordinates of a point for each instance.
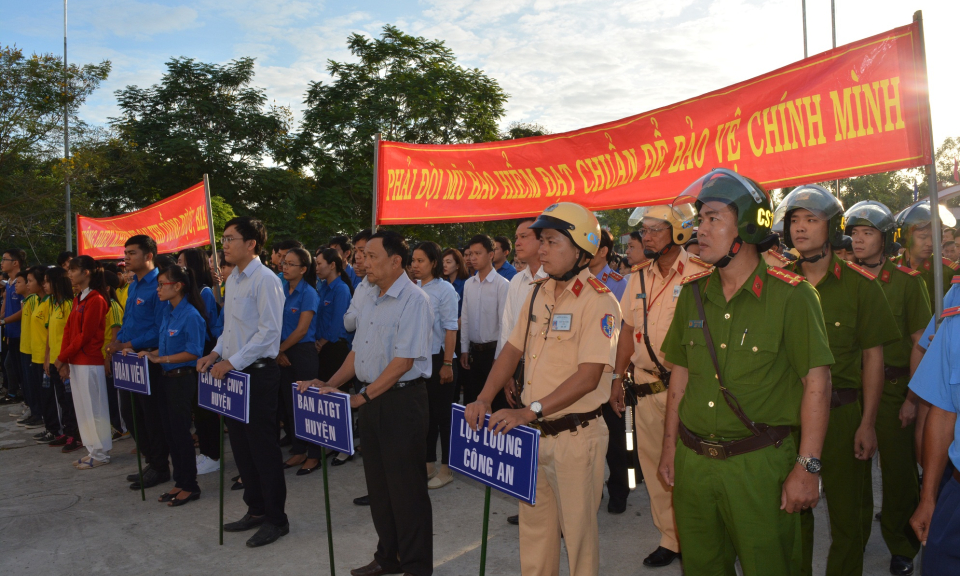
(89, 387)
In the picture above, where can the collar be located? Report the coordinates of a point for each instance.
(489, 279)
(575, 286)
(398, 286)
(251, 268)
(150, 276)
(86, 291)
(180, 309)
(299, 288)
(753, 285)
(679, 265)
(424, 286)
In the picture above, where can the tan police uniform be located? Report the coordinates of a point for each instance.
(661, 301)
(578, 327)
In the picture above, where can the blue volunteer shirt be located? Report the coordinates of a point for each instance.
(937, 379)
(334, 299)
(508, 271)
(13, 302)
(216, 329)
(303, 299)
(210, 303)
(458, 286)
(354, 279)
(142, 313)
(182, 329)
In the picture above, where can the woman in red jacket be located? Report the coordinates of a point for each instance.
(81, 359)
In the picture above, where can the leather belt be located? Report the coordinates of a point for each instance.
(843, 396)
(177, 372)
(894, 372)
(483, 346)
(723, 450)
(570, 422)
(400, 385)
(262, 363)
(648, 389)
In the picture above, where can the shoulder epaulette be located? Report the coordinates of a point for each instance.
(863, 271)
(540, 281)
(597, 285)
(641, 265)
(698, 261)
(908, 271)
(696, 276)
(950, 312)
(790, 278)
(616, 276)
(779, 257)
(951, 264)
(955, 279)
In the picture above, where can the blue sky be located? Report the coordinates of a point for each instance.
(566, 63)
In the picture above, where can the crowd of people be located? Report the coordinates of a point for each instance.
(730, 367)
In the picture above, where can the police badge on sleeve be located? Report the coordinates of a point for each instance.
(607, 325)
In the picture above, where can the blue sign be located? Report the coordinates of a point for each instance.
(229, 396)
(131, 373)
(323, 419)
(507, 462)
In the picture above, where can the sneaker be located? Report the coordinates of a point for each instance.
(71, 445)
(60, 440)
(39, 435)
(24, 417)
(8, 399)
(46, 437)
(34, 422)
(207, 465)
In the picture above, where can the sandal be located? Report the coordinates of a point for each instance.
(168, 496)
(182, 501)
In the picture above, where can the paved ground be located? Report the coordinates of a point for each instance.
(55, 520)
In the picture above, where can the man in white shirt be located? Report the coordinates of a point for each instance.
(484, 298)
(526, 248)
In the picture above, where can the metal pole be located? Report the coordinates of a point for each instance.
(326, 503)
(66, 130)
(486, 523)
(213, 240)
(376, 163)
(221, 475)
(833, 29)
(932, 179)
(136, 440)
(804, 8)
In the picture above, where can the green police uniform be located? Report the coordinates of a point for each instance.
(950, 269)
(730, 508)
(857, 318)
(908, 298)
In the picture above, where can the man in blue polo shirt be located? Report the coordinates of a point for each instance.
(502, 249)
(13, 261)
(142, 316)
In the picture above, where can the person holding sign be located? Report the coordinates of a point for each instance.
(443, 299)
(391, 359)
(81, 359)
(183, 331)
(567, 338)
(253, 321)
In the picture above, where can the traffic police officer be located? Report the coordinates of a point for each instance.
(742, 382)
(649, 302)
(916, 234)
(871, 225)
(568, 332)
(859, 322)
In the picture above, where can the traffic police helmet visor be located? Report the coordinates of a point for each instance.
(575, 222)
(818, 201)
(681, 219)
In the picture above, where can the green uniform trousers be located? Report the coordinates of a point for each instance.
(729, 509)
(898, 471)
(849, 497)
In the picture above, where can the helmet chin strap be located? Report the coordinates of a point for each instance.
(817, 258)
(655, 255)
(734, 249)
(573, 272)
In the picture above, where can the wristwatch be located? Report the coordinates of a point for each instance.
(363, 392)
(537, 409)
(811, 464)
(616, 376)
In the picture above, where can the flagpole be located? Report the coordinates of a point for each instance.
(213, 240)
(66, 131)
(803, 4)
(376, 162)
(833, 29)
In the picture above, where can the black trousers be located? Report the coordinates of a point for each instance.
(149, 434)
(476, 377)
(64, 399)
(394, 428)
(176, 420)
(440, 397)
(256, 448)
(207, 426)
(11, 362)
(303, 366)
(331, 357)
(48, 399)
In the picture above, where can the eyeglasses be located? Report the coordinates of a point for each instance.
(644, 231)
(292, 265)
(228, 239)
(8, 259)
(166, 283)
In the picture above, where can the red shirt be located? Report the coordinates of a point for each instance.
(83, 334)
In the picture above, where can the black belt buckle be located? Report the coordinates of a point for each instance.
(713, 450)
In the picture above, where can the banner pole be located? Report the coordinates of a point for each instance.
(486, 524)
(803, 7)
(932, 180)
(326, 503)
(136, 439)
(221, 479)
(213, 246)
(376, 178)
(833, 29)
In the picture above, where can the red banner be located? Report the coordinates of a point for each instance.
(855, 110)
(178, 222)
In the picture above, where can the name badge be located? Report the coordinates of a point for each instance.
(561, 322)
(676, 291)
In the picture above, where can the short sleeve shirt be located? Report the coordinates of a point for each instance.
(12, 305)
(950, 299)
(580, 326)
(38, 330)
(910, 303)
(55, 326)
(768, 336)
(182, 329)
(304, 298)
(26, 343)
(937, 379)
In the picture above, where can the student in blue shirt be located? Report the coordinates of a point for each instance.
(181, 337)
(455, 272)
(298, 358)
(336, 291)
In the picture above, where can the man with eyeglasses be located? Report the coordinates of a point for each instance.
(13, 261)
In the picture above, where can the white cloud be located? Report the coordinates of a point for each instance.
(138, 20)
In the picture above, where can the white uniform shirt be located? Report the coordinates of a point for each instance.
(520, 287)
(483, 303)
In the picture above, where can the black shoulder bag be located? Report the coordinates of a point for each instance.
(662, 372)
(518, 374)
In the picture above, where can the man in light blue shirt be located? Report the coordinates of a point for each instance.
(253, 321)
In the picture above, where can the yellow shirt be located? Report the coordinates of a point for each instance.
(38, 330)
(661, 301)
(582, 329)
(122, 296)
(114, 320)
(57, 321)
(29, 304)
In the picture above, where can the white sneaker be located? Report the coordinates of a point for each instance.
(207, 465)
(20, 411)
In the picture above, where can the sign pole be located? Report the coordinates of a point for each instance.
(221, 468)
(376, 162)
(213, 249)
(486, 524)
(932, 180)
(326, 503)
(136, 439)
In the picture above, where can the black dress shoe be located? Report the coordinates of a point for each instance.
(515, 520)
(237, 485)
(617, 505)
(174, 502)
(136, 475)
(268, 534)
(901, 566)
(661, 557)
(362, 501)
(150, 479)
(339, 462)
(243, 524)
(305, 471)
(371, 569)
